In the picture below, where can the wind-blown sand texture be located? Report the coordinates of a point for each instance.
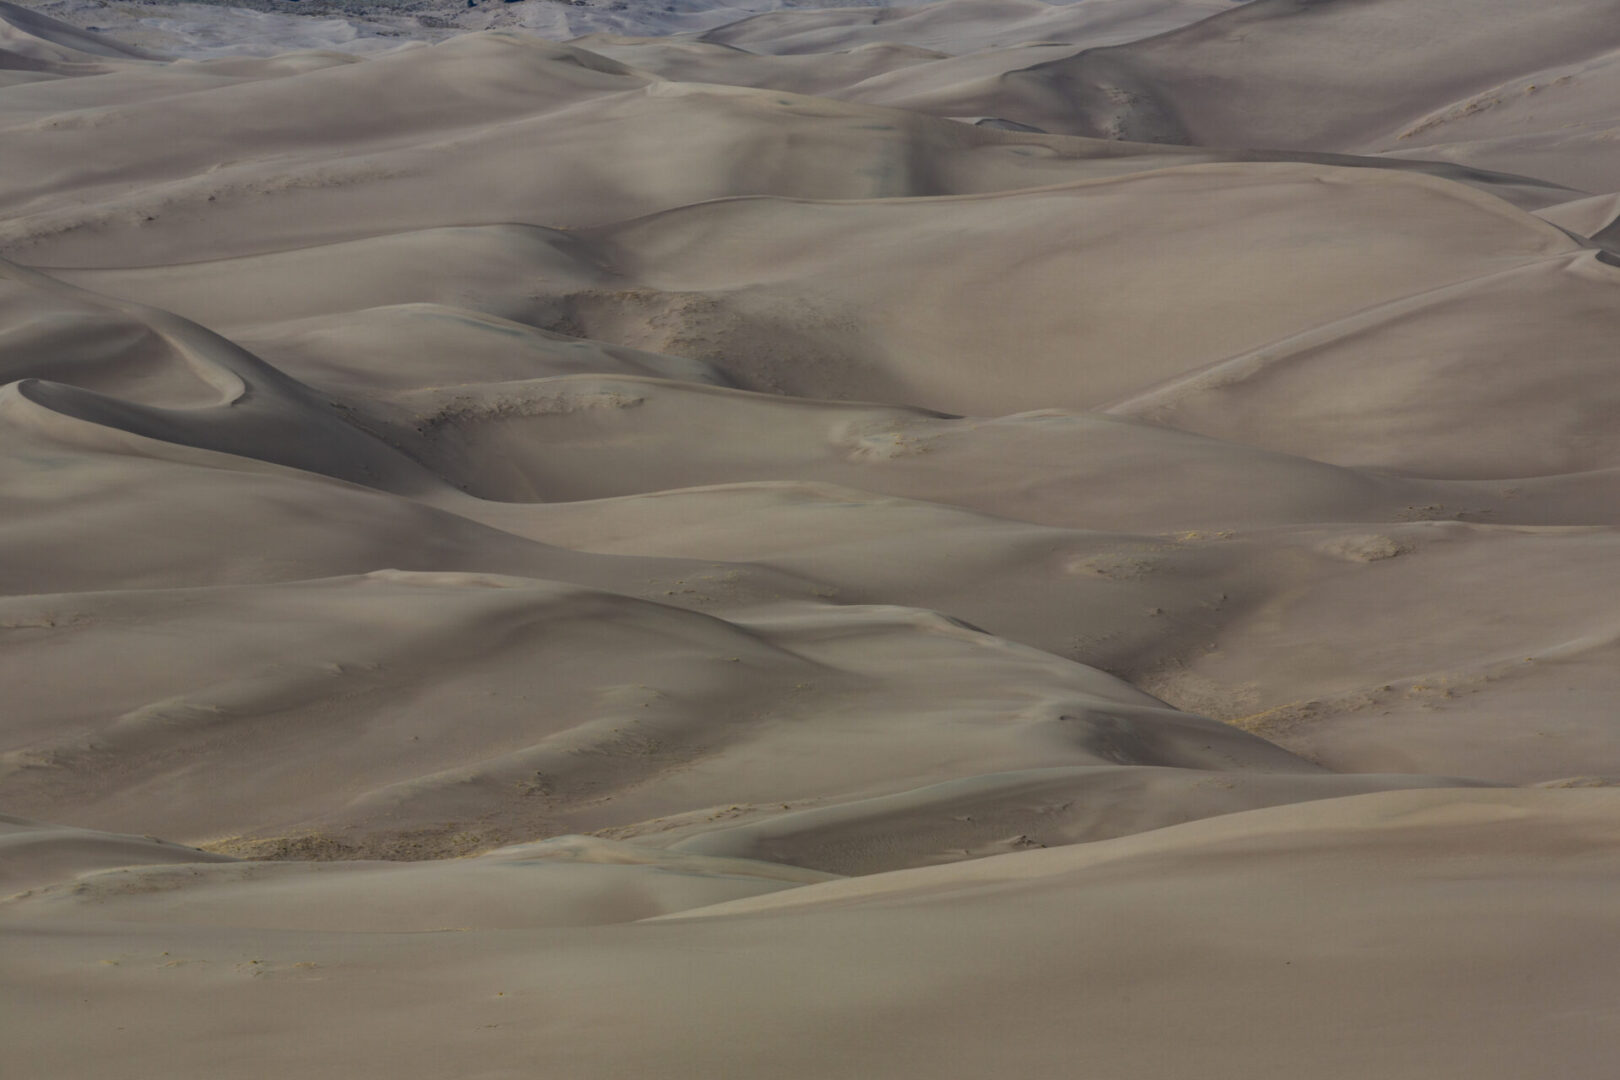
(980, 539)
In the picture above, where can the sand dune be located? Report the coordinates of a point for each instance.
(996, 814)
(975, 538)
(959, 26)
(40, 854)
(30, 41)
(682, 710)
(1427, 368)
(1547, 120)
(404, 346)
(484, 129)
(580, 881)
(892, 971)
(801, 307)
(1357, 62)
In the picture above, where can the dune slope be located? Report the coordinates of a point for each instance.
(980, 538)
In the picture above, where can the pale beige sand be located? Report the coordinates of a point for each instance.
(804, 297)
(960, 26)
(718, 555)
(1468, 933)
(39, 854)
(1303, 74)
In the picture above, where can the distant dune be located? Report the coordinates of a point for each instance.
(612, 540)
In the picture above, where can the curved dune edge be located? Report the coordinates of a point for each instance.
(1273, 906)
(1354, 821)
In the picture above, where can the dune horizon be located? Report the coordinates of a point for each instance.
(797, 540)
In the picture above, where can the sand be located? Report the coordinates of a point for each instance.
(984, 538)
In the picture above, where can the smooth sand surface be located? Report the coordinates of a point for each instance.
(984, 538)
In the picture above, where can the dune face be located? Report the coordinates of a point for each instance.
(968, 539)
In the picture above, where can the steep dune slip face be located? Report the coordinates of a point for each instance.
(985, 537)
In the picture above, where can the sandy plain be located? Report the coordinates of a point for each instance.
(988, 538)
